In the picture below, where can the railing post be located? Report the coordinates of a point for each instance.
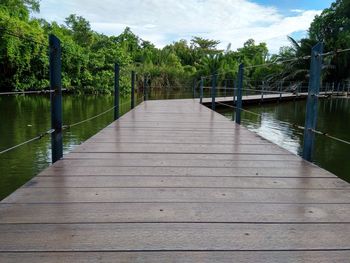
(262, 92)
(298, 90)
(133, 78)
(145, 88)
(213, 91)
(280, 90)
(235, 85)
(239, 93)
(56, 98)
(201, 91)
(312, 101)
(194, 88)
(116, 91)
(225, 90)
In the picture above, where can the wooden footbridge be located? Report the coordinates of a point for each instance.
(173, 181)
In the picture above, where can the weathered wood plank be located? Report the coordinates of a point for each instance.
(181, 163)
(175, 140)
(191, 182)
(63, 169)
(144, 133)
(180, 148)
(69, 195)
(168, 122)
(173, 236)
(183, 257)
(174, 212)
(195, 157)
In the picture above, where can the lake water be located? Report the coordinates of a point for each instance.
(276, 125)
(24, 117)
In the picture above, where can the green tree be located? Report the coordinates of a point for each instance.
(80, 29)
(333, 28)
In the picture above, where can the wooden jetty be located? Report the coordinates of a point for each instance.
(173, 181)
(275, 97)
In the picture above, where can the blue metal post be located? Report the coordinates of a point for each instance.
(56, 98)
(235, 84)
(133, 78)
(239, 93)
(280, 90)
(312, 101)
(116, 91)
(201, 91)
(194, 88)
(225, 87)
(235, 91)
(145, 88)
(213, 91)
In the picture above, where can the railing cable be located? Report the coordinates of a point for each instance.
(40, 136)
(292, 124)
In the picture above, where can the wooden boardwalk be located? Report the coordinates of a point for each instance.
(173, 181)
(252, 99)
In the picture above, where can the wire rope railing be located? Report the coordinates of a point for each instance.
(36, 138)
(55, 92)
(294, 90)
(295, 125)
(151, 90)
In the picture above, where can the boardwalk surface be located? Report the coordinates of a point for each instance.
(254, 99)
(172, 181)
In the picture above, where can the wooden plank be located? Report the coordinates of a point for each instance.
(173, 212)
(97, 195)
(183, 182)
(175, 140)
(180, 148)
(172, 236)
(63, 169)
(176, 123)
(111, 132)
(180, 163)
(184, 257)
(196, 157)
(180, 129)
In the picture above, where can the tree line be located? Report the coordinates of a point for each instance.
(88, 57)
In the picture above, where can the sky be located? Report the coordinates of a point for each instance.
(165, 21)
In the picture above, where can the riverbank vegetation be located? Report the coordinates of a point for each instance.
(88, 57)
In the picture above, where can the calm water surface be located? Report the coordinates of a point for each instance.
(276, 126)
(25, 117)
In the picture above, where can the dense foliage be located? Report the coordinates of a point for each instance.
(88, 57)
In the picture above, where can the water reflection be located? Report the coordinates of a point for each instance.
(276, 125)
(25, 117)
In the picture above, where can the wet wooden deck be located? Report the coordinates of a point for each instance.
(253, 99)
(275, 97)
(173, 181)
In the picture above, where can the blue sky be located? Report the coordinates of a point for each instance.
(165, 21)
(286, 5)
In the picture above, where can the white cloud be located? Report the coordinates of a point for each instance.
(297, 10)
(230, 21)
